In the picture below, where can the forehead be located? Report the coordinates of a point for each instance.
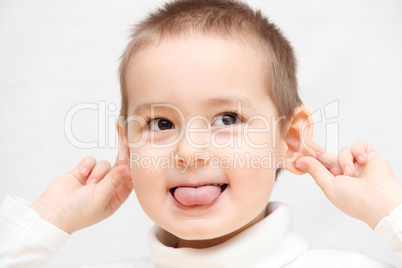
(189, 70)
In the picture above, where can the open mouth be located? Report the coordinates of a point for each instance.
(198, 195)
(222, 185)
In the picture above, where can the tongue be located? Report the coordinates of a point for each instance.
(204, 195)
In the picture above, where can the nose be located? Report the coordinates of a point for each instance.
(193, 149)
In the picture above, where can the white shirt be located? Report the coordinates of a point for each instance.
(26, 240)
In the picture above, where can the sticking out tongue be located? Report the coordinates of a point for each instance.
(203, 195)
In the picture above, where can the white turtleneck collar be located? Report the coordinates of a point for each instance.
(268, 243)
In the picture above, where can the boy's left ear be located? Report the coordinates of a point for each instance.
(298, 138)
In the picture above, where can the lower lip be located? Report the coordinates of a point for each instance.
(181, 206)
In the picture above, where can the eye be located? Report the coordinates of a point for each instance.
(227, 119)
(159, 124)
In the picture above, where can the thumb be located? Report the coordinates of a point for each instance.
(106, 188)
(322, 176)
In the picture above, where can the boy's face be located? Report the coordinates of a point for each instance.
(217, 177)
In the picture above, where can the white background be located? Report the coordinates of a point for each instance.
(57, 54)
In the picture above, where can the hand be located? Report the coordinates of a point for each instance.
(86, 195)
(360, 182)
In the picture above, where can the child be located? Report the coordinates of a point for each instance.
(209, 92)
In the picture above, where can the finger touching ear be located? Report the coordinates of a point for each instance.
(123, 154)
(299, 138)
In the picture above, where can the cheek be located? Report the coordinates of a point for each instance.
(148, 174)
(251, 193)
(252, 171)
(151, 191)
(148, 170)
(242, 136)
(143, 184)
(251, 159)
(258, 139)
(148, 160)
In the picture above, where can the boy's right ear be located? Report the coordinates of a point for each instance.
(123, 155)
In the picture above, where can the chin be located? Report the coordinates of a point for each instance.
(203, 237)
(200, 232)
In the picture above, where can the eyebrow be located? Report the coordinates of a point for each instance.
(231, 100)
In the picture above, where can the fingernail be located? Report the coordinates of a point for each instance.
(360, 158)
(347, 170)
(126, 173)
(84, 171)
(301, 166)
(93, 181)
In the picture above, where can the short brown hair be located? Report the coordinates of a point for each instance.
(226, 18)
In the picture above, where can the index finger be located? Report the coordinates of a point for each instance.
(327, 158)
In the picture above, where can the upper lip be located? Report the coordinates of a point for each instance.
(197, 179)
(195, 185)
